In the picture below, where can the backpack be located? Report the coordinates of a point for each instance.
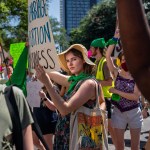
(17, 128)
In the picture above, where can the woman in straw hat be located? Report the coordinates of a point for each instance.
(75, 61)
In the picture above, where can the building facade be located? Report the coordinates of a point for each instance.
(72, 11)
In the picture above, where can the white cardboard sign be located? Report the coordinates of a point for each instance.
(41, 43)
(33, 97)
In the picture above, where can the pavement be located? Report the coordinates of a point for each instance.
(143, 138)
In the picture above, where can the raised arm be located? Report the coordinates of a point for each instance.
(59, 78)
(109, 60)
(75, 101)
(135, 37)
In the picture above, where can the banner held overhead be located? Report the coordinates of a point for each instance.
(41, 43)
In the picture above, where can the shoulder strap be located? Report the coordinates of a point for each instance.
(17, 129)
(80, 82)
(14, 114)
(97, 94)
(97, 89)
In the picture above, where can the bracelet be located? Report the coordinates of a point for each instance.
(146, 108)
(115, 39)
(44, 99)
(112, 41)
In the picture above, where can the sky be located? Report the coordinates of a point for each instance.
(54, 9)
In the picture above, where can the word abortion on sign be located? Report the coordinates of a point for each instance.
(39, 35)
(41, 43)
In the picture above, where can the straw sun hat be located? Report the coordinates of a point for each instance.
(79, 47)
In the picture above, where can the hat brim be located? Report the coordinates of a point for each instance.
(79, 47)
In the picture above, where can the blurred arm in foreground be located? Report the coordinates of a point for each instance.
(135, 37)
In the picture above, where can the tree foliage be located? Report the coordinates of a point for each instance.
(13, 22)
(147, 9)
(59, 33)
(100, 22)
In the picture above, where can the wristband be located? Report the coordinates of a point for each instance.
(112, 41)
(115, 39)
(44, 99)
(146, 108)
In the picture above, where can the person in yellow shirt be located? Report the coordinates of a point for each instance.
(103, 75)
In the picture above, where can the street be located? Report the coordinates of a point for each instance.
(143, 139)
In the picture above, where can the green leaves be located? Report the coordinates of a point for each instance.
(13, 22)
(59, 34)
(100, 22)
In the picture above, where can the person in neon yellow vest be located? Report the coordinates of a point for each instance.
(103, 75)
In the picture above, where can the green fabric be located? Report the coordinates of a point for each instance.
(15, 51)
(111, 42)
(115, 97)
(5, 120)
(100, 42)
(18, 77)
(100, 76)
(75, 79)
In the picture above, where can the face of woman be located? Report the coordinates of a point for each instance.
(123, 64)
(123, 60)
(74, 63)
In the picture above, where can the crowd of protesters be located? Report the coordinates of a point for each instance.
(63, 94)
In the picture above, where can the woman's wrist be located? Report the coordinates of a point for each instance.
(115, 39)
(44, 99)
(146, 108)
(48, 84)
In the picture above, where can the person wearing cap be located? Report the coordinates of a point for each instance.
(74, 61)
(127, 108)
(103, 75)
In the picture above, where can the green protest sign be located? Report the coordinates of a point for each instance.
(15, 51)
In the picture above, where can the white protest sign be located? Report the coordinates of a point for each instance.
(41, 43)
(118, 49)
(33, 97)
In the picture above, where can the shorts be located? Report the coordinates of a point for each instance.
(132, 117)
(46, 119)
(108, 107)
(48, 129)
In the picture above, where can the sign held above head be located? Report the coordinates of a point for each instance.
(41, 43)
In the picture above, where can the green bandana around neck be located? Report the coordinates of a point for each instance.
(75, 79)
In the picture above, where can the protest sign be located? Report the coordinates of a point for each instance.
(41, 43)
(118, 48)
(33, 97)
(15, 51)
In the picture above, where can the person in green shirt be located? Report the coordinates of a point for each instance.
(6, 127)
